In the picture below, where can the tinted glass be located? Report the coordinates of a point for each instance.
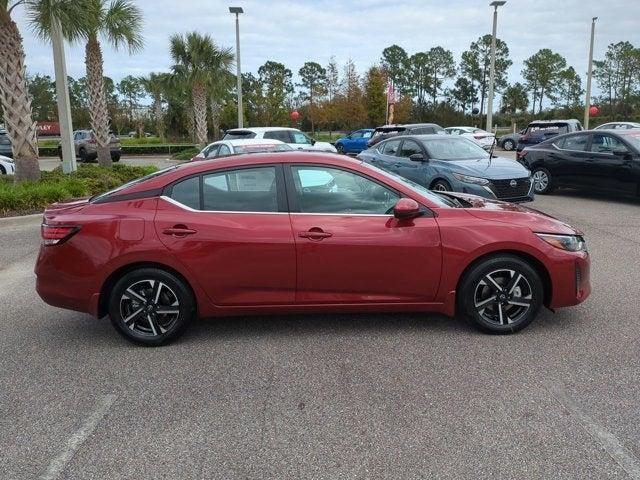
(245, 190)
(238, 134)
(550, 128)
(409, 147)
(224, 150)
(633, 137)
(300, 138)
(391, 147)
(268, 147)
(601, 143)
(367, 134)
(575, 142)
(332, 190)
(454, 148)
(211, 151)
(282, 135)
(356, 134)
(187, 192)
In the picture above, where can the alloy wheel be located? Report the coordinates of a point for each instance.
(503, 297)
(440, 187)
(540, 180)
(149, 307)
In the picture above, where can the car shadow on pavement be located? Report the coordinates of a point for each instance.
(589, 195)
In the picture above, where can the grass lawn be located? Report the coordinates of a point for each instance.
(55, 186)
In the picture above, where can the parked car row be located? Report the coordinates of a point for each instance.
(85, 146)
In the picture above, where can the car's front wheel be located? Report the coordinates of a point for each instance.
(500, 294)
(441, 186)
(542, 180)
(340, 149)
(508, 145)
(150, 306)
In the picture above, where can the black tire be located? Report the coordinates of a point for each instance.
(340, 149)
(82, 155)
(2, 170)
(543, 181)
(441, 186)
(159, 327)
(500, 315)
(508, 145)
(60, 153)
(115, 158)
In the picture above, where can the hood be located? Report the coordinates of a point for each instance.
(515, 214)
(497, 168)
(324, 146)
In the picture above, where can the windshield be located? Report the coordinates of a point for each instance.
(558, 128)
(633, 139)
(133, 182)
(452, 148)
(425, 192)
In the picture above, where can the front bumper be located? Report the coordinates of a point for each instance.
(499, 190)
(570, 279)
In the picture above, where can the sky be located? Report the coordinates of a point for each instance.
(293, 32)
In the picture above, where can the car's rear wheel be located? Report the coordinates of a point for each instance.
(542, 180)
(508, 145)
(150, 306)
(340, 149)
(115, 157)
(441, 186)
(82, 155)
(2, 170)
(500, 294)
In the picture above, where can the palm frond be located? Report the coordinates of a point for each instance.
(123, 25)
(41, 13)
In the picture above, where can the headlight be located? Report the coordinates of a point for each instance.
(469, 179)
(571, 243)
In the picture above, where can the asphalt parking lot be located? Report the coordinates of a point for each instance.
(388, 396)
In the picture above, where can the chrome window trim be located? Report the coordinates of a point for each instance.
(189, 209)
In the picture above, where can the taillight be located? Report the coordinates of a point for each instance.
(57, 234)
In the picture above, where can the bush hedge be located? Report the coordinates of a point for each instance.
(138, 149)
(56, 186)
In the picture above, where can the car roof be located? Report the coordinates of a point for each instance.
(259, 129)
(552, 122)
(248, 141)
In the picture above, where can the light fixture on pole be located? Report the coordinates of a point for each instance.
(587, 99)
(62, 93)
(237, 11)
(492, 75)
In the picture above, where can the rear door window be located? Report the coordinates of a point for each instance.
(573, 142)
(409, 147)
(602, 143)
(282, 135)
(391, 147)
(187, 192)
(242, 190)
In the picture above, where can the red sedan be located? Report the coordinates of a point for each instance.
(301, 233)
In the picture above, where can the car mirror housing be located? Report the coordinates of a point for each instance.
(417, 157)
(406, 208)
(620, 152)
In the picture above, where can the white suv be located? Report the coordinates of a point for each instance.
(291, 136)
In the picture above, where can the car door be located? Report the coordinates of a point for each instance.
(350, 248)
(231, 230)
(387, 154)
(353, 142)
(566, 159)
(300, 141)
(408, 168)
(609, 171)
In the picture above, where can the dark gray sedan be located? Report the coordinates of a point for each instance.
(447, 163)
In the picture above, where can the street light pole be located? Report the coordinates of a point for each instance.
(587, 99)
(238, 11)
(492, 75)
(62, 93)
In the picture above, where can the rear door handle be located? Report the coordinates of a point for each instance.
(179, 231)
(315, 234)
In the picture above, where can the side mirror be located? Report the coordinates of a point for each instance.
(620, 152)
(406, 208)
(417, 157)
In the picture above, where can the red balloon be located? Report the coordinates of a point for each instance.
(593, 111)
(295, 115)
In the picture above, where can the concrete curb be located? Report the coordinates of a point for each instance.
(21, 220)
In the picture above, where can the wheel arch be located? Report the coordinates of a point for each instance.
(537, 265)
(438, 178)
(103, 302)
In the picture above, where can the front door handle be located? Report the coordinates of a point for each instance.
(315, 234)
(179, 231)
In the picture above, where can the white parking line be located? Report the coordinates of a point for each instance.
(609, 442)
(58, 464)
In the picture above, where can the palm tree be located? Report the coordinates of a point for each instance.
(219, 92)
(119, 22)
(156, 84)
(14, 94)
(198, 60)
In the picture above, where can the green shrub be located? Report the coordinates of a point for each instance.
(186, 154)
(55, 186)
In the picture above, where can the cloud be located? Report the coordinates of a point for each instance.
(293, 32)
